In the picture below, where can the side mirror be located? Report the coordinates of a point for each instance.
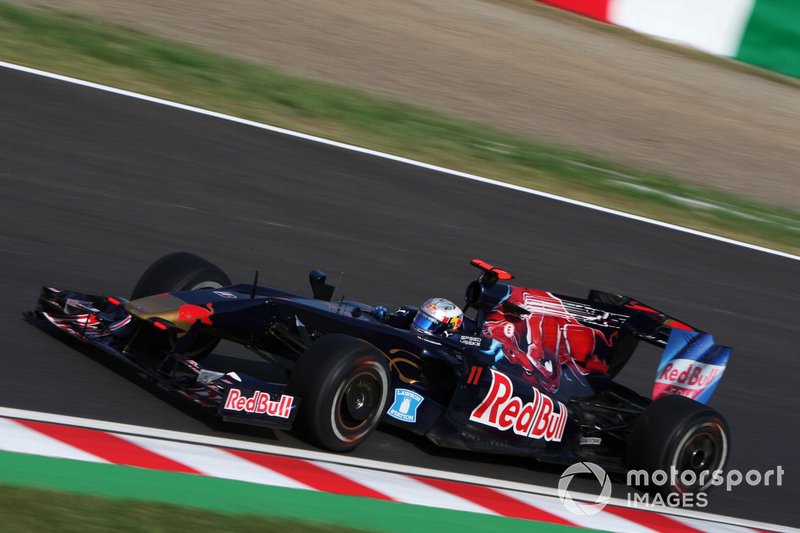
(320, 289)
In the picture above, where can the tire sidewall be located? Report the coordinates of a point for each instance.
(320, 378)
(683, 434)
(338, 383)
(179, 271)
(664, 429)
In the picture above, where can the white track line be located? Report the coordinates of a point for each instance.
(18, 438)
(717, 527)
(723, 527)
(356, 462)
(391, 157)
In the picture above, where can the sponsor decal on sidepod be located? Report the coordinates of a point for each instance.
(536, 419)
(406, 403)
(259, 403)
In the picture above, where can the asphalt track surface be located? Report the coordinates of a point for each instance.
(95, 186)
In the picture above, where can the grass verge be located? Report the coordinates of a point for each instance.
(24, 509)
(87, 49)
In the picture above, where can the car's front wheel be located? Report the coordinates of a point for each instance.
(183, 271)
(343, 384)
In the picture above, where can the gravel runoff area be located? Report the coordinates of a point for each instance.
(520, 66)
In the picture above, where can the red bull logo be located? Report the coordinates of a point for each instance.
(259, 403)
(536, 419)
(692, 365)
(686, 377)
(689, 374)
(190, 314)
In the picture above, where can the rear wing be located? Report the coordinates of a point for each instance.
(644, 321)
(691, 364)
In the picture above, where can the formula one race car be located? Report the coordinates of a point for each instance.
(527, 372)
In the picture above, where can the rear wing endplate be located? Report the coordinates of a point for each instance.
(691, 365)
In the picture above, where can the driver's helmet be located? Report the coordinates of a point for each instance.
(438, 316)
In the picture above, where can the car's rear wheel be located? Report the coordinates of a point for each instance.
(183, 271)
(685, 439)
(343, 385)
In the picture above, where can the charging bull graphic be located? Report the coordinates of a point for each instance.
(538, 334)
(189, 314)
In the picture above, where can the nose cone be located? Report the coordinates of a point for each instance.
(171, 308)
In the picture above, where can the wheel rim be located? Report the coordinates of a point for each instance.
(358, 402)
(205, 285)
(360, 399)
(703, 450)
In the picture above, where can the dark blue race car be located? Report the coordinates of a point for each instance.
(522, 371)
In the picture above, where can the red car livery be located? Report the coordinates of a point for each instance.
(540, 333)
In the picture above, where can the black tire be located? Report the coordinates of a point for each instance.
(183, 271)
(343, 385)
(679, 433)
(179, 271)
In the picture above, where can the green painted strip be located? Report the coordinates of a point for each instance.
(236, 497)
(772, 37)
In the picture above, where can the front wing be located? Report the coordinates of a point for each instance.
(103, 324)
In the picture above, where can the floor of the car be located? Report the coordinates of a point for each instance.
(231, 357)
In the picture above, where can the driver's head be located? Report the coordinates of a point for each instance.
(438, 316)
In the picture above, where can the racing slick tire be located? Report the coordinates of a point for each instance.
(680, 435)
(183, 271)
(343, 385)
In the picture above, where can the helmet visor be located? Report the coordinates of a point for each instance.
(425, 322)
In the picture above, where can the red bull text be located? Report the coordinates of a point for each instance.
(536, 419)
(259, 403)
